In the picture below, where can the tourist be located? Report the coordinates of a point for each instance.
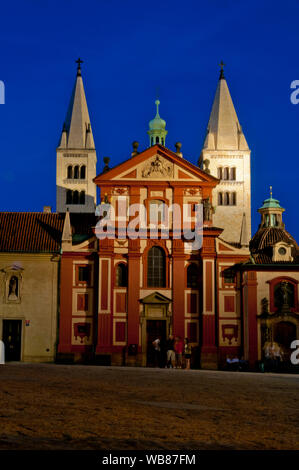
(2, 352)
(187, 353)
(157, 352)
(178, 347)
(170, 353)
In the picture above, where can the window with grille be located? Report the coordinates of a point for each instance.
(156, 269)
(121, 276)
(192, 276)
(83, 273)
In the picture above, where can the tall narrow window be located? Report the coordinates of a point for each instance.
(70, 172)
(232, 175)
(157, 140)
(226, 199)
(156, 211)
(76, 172)
(219, 173)
(83, 274)
(83, 172)
(233, 199)
(82, 197)
(69, 197)
(192, 276)
(225, 173)
(220, 199)
(75, 197)
(156, 269)
(121, 276)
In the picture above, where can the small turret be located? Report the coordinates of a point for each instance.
(157, 132)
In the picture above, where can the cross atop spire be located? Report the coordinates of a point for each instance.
(222, 64)
(79, 62)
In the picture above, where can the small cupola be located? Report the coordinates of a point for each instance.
(271, 213)
(157, 132)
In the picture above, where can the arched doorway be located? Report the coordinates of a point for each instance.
(284, 333)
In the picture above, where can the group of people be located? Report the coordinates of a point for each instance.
(175, 353)
(274, 356)
(234, 363)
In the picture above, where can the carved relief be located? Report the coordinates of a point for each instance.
(120, 191)
(192, 192)
(157, 168)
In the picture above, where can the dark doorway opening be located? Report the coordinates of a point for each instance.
(12, 334)
(155, 329)
(284, 334)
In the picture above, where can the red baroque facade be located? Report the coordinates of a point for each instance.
(118, 294)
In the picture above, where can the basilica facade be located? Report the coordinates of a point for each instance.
(124, 284)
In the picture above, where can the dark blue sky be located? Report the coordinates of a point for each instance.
(129, 49)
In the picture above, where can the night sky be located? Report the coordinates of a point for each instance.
(130, 49)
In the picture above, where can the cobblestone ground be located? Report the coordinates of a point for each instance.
(47, 406)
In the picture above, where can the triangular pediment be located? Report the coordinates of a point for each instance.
(156, 163)
(155, 298)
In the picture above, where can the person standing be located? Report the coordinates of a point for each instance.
(170, 354)
(157, 351)
(178, 347)
(2, 352)
(187, 353)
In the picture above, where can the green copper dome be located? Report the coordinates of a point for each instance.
(157, 123)
(271, 203)
(157, 131)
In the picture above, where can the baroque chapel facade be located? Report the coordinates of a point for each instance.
(107, 297)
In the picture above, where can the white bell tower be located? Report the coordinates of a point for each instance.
(76, 156)
(226, 154)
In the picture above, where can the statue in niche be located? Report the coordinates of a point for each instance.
(13, 288)
(207, 210)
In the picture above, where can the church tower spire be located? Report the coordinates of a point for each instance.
(157, 132)
(226, 149)
(76, 155)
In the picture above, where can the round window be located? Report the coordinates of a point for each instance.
(282, 250)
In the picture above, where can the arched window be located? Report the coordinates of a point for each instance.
(233, 199)
(121, 276)
(162, 141)
(156, 211)
(157, 140)
(225, 173)
(219, 173)
(82, 197)
(192, 276)
(69, 197)
(75, 197)
(83, 172)
(232, 175)
(156, 269)
(70, 172)
(76, 172)
(220, 199)
(226, 199)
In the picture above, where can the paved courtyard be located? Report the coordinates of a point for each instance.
(47, 406)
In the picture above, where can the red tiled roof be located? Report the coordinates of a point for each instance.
(32, 232)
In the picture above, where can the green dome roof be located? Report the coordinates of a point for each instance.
(271, 203)
(157, 123)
